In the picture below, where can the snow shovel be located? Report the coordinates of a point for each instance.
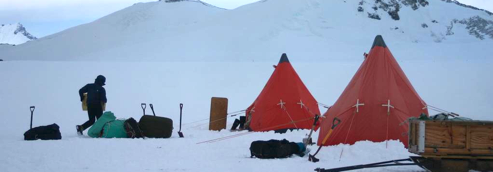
(32, 112)
(335, 122)
(179, 132)
(152, 108)
(143, 105)
(308, 140)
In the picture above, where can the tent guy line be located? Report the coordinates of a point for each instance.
(241, 134)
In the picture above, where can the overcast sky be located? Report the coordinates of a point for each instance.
(44, 17)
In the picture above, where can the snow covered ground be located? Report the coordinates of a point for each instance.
(461, 86)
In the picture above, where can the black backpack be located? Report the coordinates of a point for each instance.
(132, 128)
(273, 149)
(49, 132)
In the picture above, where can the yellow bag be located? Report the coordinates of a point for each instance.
(84, 104)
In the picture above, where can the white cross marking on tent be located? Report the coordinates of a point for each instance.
(301, 104)
(252, 110)
(357, 105)
(282, 104)
(388, 106)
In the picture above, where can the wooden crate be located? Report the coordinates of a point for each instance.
(451, 138)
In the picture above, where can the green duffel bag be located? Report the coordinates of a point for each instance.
(97, 127)
(114, 129)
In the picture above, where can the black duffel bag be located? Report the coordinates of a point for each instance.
(275, 149)
(156, 126)
(49, 132)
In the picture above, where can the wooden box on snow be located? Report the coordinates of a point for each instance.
(219, 113)
(451, 138)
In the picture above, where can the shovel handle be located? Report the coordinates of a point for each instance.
(152, 108)
(143, 105)
(316, 119)
(32, 111)
(181, 108)
(335, 122)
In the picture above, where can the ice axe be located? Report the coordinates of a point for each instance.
(308, 140)
(32, 112)
(143, 105)
(179, 132)
(335, 122)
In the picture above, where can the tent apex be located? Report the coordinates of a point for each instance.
(284, 58)
(379, 42)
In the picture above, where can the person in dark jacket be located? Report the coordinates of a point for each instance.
(96, 96)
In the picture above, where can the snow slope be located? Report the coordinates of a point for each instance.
(14, 34)
(455, 85)
(318, 30)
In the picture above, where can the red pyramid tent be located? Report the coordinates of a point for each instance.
(376, 103)
(284, 103)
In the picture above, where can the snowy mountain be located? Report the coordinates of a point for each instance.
(313, 30)
(14, 34)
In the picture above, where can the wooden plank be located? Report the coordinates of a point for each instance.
(437, 136)
(416, 131)
(468, 137)
(472, 123)
(449, 151)
(413, 143)
(482, 137)
(458, 136)
(458, 157)
(219, 113)
(412, 135)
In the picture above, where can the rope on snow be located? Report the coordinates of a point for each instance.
(231, 114)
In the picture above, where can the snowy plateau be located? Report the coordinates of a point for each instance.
(189, 51)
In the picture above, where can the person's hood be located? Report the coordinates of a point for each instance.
(100, 80)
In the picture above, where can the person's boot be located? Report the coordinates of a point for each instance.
(235, 125)
(79, 130)
(242, 122)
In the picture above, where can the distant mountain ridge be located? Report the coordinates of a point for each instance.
(191, 30)
(198, 1)
(479, 27)
(14, 34)
(468, 6)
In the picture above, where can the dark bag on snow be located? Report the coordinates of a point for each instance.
(273, 149)
(155, 126)
(49, 132)
(132, 128)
